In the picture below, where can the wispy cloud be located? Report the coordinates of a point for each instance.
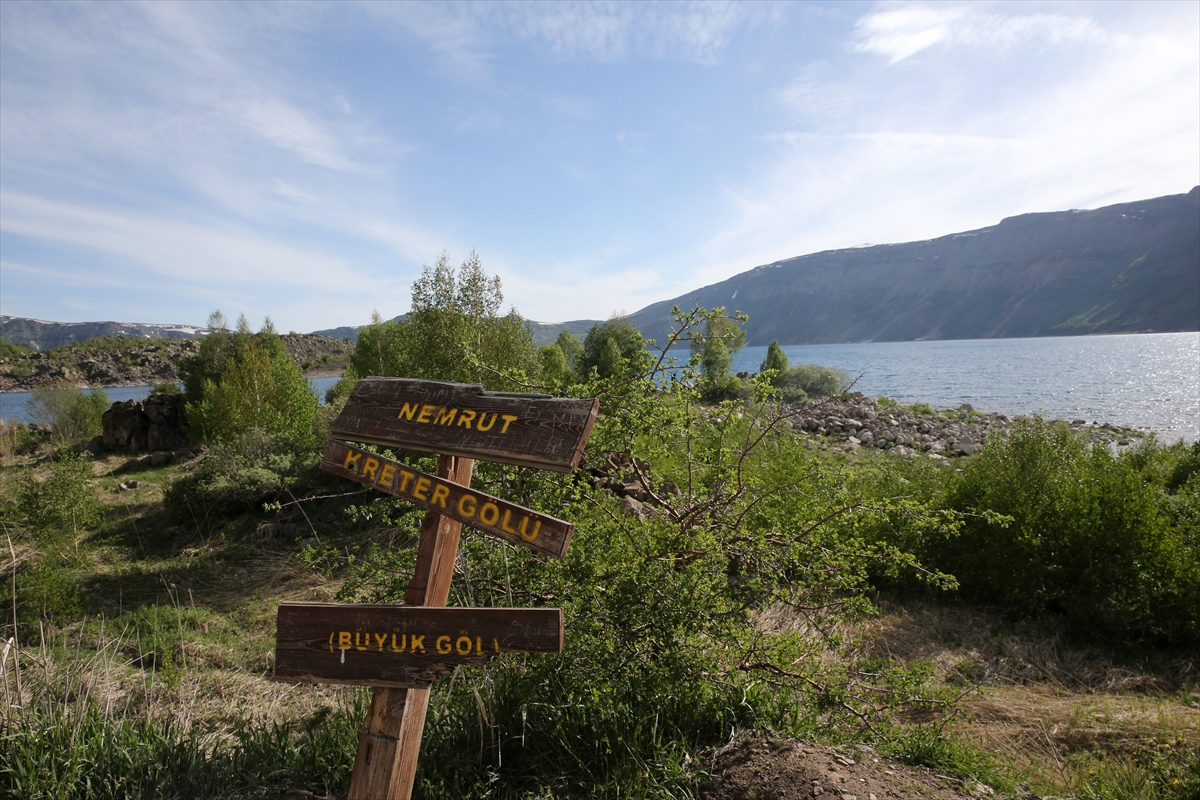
(467, 36)
(608, 31)
(187, 252)
(900, 31)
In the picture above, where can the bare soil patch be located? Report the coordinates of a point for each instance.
(758, 769)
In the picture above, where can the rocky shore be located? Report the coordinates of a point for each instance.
(855, 421)
(143, 363)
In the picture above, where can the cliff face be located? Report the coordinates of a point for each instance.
(1133, 267)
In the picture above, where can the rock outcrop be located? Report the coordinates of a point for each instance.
(154, 424)
(144, 363)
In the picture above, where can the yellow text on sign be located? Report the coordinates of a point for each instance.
(462, 644)
(466, 418)
(422, 488)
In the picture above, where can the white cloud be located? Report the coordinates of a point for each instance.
(465, 36)
(900, 31)
(183, 251)
(608, 31)
(1122, 123)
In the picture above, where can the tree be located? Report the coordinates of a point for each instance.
(571, 348)
(245, 381)
(454, 332)
(71, 414)
(626, 355)
(554, 365)
(723, 336)
(776, 360)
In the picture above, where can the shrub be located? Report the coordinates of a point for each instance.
(612, 349)
(454, 332)
(241, 382)
(10, 350)
(65, 501)
(1090, 536)
(16, 439)
(48, 592)
(555, 370)
(749, 552)
(813, 380)
(242, 474)
(71, 414)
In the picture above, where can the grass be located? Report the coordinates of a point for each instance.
(162, 684)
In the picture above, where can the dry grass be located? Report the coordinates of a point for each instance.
(1050, 708)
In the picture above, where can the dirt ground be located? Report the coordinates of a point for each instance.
(789, 770)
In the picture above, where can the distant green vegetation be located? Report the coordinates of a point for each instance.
(101, 343)
(243, 381)
(1050, 526)
(799, 384)
(455, 332)
(70, 414)
(10, 350)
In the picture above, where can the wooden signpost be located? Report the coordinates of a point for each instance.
(400, 650)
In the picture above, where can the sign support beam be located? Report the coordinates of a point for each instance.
(390, 740)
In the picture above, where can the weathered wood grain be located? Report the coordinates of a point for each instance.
(484, 513)
(464, 420)
(390, 741)
(403, 646)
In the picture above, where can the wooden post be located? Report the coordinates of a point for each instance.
(390, 741)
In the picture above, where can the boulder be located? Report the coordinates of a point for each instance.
(633, 508)
(157, 423)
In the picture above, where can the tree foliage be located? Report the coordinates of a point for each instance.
(798, 384)
(723, 336)
(244, 381)
(1055, 525)
(454, 332)
(71, 414)
(614, 349)
(776, 360)
(729, 538)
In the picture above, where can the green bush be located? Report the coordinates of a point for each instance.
(750, 536)
(811, 381)
(64, 501)
(1094, 536)
(612, 349)
(10, 350)
(242, 474)
(241, 382)
(799, 384)
(47, 593)
(71, 414)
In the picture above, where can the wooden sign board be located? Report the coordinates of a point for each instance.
(403, 646)
(463, 420)
(484, 513)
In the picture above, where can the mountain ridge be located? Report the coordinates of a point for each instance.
(1124, 268)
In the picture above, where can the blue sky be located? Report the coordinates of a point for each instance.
(158, 160)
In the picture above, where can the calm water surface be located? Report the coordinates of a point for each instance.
(1148, 381)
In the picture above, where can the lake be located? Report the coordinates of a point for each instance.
(1149, 381)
